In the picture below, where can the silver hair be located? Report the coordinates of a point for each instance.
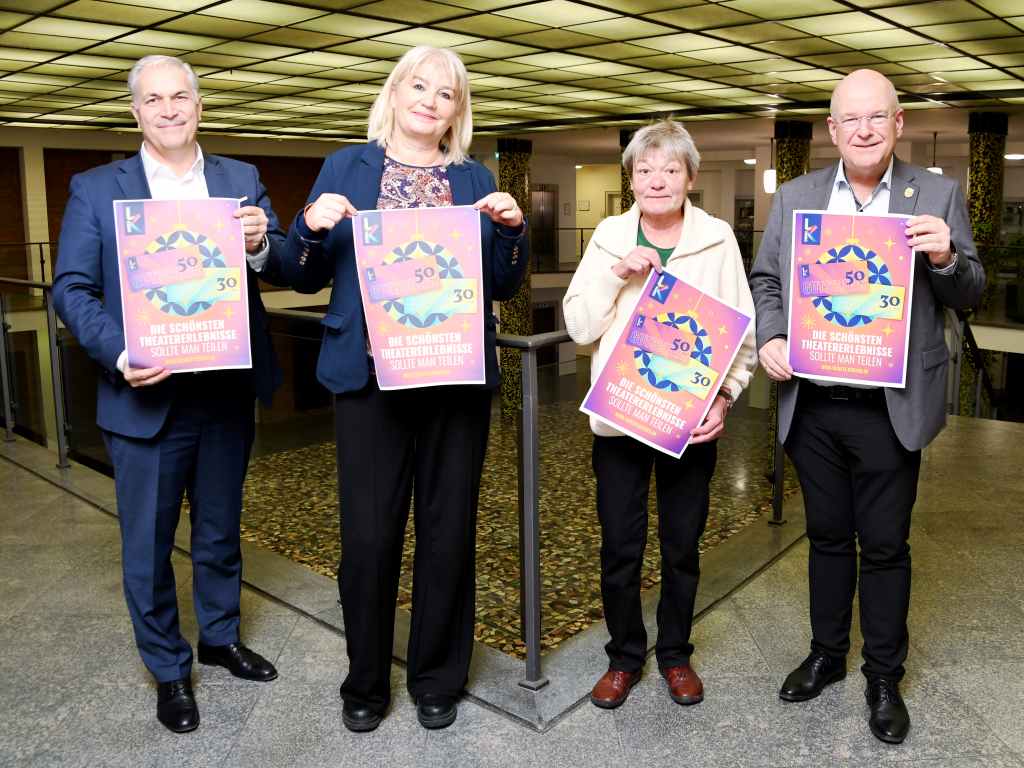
(666, 136)
(161, 61)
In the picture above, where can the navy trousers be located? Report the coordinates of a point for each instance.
(203, 451)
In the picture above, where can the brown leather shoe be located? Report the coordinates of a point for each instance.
(684, 685)
(613, 688)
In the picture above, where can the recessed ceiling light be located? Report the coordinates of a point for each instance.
(750, 160)
(578, 167)
(1014, 156)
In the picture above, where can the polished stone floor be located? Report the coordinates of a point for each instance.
(75, 694)
(291, 507)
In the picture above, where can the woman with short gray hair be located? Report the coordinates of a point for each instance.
(661, 231)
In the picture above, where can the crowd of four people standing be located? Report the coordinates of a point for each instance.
(857, 451)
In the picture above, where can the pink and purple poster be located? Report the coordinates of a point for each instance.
(851, 277)
(667, 366)
(420, 275)
(184, 296)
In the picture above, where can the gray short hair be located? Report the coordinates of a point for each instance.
(666, 136)
(163, 61)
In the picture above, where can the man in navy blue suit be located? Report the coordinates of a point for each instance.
(171, 435)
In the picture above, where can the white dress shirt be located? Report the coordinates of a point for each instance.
(843, 200)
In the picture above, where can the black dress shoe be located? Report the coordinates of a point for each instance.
(809, 679)
(239, 661)
(435, 710)
(359, 717)
(889, 719)
(176, 706)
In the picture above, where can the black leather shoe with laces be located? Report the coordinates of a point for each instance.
(176, 706)
(240, 660)
(889, 719)
(809, 679)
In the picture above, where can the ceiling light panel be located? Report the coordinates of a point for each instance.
(557, 13)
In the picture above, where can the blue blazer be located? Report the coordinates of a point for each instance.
(87, 293)
(312, 260)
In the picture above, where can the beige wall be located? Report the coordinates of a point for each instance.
(593, 182)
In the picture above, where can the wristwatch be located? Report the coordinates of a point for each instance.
(726, 395)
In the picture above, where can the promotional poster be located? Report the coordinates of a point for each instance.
(850, 296)
(184, 297)
(667, 366)
(421, 279)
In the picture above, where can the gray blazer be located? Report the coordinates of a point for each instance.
(917, 412)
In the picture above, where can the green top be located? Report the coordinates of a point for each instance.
(641, 239)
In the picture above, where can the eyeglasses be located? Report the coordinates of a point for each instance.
(875, 120)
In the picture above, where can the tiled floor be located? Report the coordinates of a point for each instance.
(75, 694)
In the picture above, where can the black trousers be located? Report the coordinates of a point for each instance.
(432, 440)
(859, 485)
(623, 470)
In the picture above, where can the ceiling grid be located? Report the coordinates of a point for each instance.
(311, 68)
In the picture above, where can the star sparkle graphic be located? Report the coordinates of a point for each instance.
(722, 329)
(887, 330)
(890, 243)
(808, 321)
(621, 367)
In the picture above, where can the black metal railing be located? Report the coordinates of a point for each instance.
(56, 377)
(23, 254)
(547, 251)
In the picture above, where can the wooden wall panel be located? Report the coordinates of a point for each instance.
(60, 165)
(12, 223)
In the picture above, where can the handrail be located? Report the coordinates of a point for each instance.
(529, 489)
(529, 500)
(50, 245)
(56, 372)
(26, 283)
(984, 380)
(536, 341)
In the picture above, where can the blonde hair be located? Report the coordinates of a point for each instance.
(666, 136)
(456, 140)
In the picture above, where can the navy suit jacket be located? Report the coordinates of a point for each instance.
(311, 260)
(87, 294)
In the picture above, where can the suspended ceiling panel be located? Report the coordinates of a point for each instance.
(311, 68)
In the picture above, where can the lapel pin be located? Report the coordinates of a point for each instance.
(908, 192)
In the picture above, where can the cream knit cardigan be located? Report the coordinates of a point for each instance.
(598, 304)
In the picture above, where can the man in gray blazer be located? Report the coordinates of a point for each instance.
(857, 450)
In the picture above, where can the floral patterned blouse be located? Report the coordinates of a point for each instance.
(413, 186)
